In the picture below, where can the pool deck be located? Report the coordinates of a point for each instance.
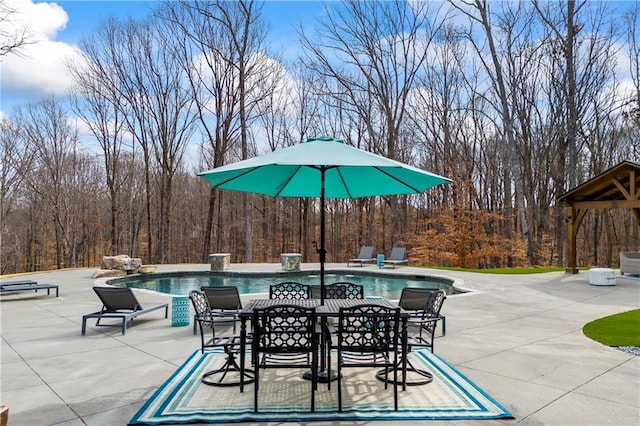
(518, 337)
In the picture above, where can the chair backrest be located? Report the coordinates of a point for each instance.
(434, 305)
(314, 292)
(284, 329)
(200, 304)
(398, 253)
(427, 301)
(368, 328)
(366, 252)
(422, 304)
(339, 290)
(203, 318)
(289, 291)
(414, 298)
(223, 298)
(115, 299)
(344, 290)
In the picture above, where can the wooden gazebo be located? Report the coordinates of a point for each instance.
(616, 188)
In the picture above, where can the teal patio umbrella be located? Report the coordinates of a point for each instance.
(322, 167)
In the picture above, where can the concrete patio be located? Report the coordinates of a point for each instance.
(518, 337)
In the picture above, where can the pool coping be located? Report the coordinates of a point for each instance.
(457, 284)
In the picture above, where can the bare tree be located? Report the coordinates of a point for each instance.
(108, 59)
(12, 38)
(222, 49)
(581, 40)
(369, 54)
(50, 134)
(211, 79)
(149, 81)
(102, 108)
(632, 19)
(478, 13)
(565, 33)
(247, 36)
(16, 159)
(440, 111)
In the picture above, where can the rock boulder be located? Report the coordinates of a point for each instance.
(121, 262)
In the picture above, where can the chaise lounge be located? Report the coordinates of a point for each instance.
(398, 257)
(630, 263)
(27, 285)
(365, 256)
(121, 304)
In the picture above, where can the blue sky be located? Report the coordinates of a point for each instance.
(59, 25)
(86, 14)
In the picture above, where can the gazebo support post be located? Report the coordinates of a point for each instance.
(572, 231)
(574, 220)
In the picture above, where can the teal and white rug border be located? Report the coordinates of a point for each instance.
(167, 404)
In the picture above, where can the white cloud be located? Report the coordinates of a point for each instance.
(40, 68)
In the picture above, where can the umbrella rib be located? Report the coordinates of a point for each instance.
(398, 180)
(277, 194)
(235, 177)
(344, 183)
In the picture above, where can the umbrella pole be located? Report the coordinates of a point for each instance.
(323, 376)
(322, 251)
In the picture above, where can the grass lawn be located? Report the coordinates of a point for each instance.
(615, 330)
(506, 271)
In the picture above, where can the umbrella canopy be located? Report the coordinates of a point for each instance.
(297, 171)
(322, 167)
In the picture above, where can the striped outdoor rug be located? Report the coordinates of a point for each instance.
(285, 397)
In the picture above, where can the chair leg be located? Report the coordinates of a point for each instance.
(418, 376)
(314, 379)
(230, 365)
(339, 382)
(395, 381)
(255, 359)
(329, 368)
(255, 389)
(386, 378)
(395, 388)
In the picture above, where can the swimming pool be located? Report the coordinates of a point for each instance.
(383, 285)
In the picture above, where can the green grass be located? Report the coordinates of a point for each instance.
(616, 330)
(505, 271)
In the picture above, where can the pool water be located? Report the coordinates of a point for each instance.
(182, 283)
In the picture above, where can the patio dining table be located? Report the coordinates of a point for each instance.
(330, 309)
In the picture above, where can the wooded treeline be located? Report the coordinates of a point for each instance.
(516, 102)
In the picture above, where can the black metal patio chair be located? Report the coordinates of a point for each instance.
(229, 373)
(224, 304)
(287, 332)
(372, 332)
(344, 290)
(289, 291)
(423, 306)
